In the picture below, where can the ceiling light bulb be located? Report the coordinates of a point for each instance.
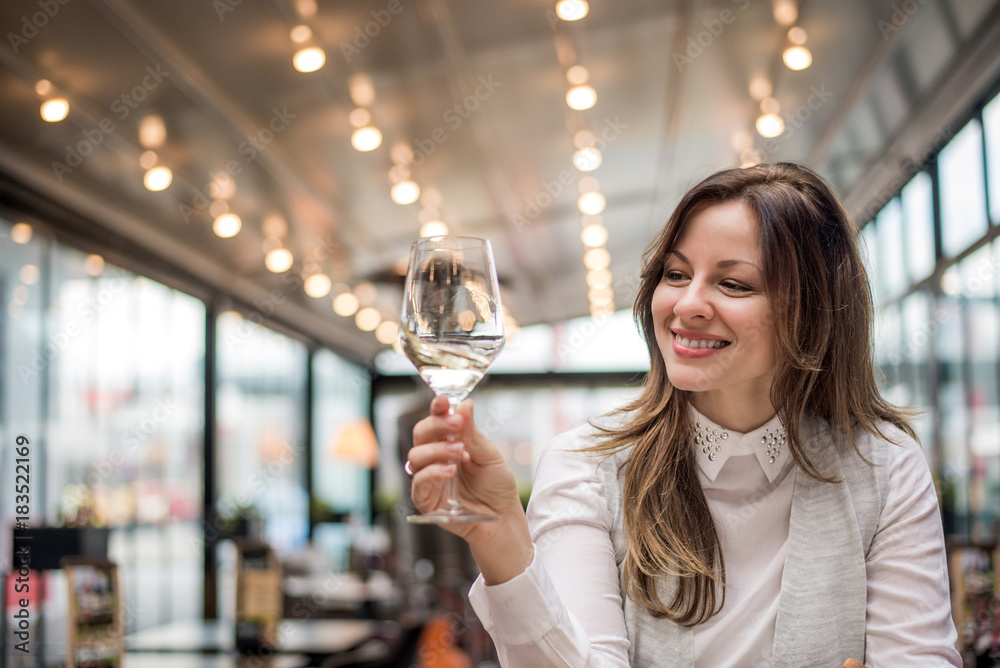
(797, 57)
(604, 294)
(309, 59)
(387, 332)
(760, 87)
(222, 186)
(741, 140)
(20, 233)
(749, 157)
(770, 105)
(278, 260)
(797, 35)
(366, 139)
(359, 117)
(152, 131)
(93, 265)
(29, 274)
(300, 34)
(598, 278)
(318, 285)
(572, 10)
(785, 12)
(770, 125)
(55, 110)
(367, 319)
(597, 258)
(148, 159)
(951, 284)
(587, 159)
(366, 292)
(435, 228)
(591, 203)
(346, 304)
(218, 207)
(401, 153)
(274, 225)
(577, 75)
(598, 309)
(405, 192)
(581, 97)
(306, 8)
(158, 178)
(431, 197)
(362, 90)
(227, 225)
(593, 236)
(43, 87)
(583, 139)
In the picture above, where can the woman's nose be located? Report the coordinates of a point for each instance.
(693, 302)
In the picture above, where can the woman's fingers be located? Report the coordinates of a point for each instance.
(422, 456)
(437, 426)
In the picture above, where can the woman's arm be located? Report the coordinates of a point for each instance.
(563, 606)
(908, 619)
(486, 484)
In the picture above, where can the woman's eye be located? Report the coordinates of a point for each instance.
(673, 275)
(736, 287)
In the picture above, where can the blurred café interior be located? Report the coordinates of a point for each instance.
(206, 210)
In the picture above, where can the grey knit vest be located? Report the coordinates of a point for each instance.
(821, 614)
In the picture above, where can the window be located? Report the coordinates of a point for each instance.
(963, 199)
(918, 226)
(260, 416)
(891, 246)
(344, 450)
(991, 118)
(103, 371)
(979, 291)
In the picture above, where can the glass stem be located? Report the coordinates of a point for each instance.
(452, 504)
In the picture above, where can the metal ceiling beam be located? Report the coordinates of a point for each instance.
(975, 66)
(860, 85)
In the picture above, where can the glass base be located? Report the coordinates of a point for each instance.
(457, 516)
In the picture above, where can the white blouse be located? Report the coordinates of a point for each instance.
(566, 608)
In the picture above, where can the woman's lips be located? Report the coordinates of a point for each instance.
(695, 348)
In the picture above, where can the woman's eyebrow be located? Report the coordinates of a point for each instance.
(723, 264)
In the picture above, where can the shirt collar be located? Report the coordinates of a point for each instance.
(714, 445)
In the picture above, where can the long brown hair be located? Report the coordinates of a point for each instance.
(821, 319)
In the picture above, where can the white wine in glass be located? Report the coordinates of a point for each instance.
(451, 328)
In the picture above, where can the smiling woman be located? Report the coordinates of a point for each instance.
(757, 493)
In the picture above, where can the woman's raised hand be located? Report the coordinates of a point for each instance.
(485, 484)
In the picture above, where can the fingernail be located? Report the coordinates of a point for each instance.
(448, 469)
(453, 448)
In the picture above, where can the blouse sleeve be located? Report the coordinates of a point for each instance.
(909, 619)
(565, 609)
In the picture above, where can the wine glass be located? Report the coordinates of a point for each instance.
(451, 329)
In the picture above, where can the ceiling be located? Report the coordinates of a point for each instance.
(477, 90)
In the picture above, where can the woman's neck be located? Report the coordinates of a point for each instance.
(742, 413)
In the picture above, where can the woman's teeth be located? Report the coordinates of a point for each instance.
(699, 343)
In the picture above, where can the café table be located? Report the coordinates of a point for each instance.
(313, 637)
(343, 592)
(224, 660)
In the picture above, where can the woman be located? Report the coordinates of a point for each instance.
(759, 504)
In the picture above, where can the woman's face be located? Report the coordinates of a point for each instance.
(711, 317)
